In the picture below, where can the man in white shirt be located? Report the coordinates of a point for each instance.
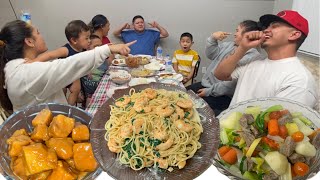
(281, 74)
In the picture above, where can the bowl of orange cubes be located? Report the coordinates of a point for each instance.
(48, 141)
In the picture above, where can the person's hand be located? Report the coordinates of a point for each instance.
(220, 35)
(122, 49)
(185, 79)
(201, 92)
(126, 26)
(154, 24)
(90, 76)
(252, 39)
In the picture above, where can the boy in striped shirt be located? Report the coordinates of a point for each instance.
(185, 59)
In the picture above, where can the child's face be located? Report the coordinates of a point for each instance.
(185, 43)
(238, 35)
(83, 41)
(94, 43)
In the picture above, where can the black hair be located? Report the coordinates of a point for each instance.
(93, 36)
(250, 25)
(74, 28)
(186, 34)
(97, 22)
(300, 40)
(137, 17)
(12, 35)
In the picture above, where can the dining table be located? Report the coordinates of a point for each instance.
(106, 89)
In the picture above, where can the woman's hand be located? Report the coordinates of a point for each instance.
(122, 49)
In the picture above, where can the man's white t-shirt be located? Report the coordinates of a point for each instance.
(286, 78)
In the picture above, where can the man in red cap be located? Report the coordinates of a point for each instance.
(281, 74)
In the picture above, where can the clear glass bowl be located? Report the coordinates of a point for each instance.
(23, 119)
(265, 103)
(195, 166)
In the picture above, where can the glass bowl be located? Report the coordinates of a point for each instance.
(265, 103)
(22, 119)
(194, 167)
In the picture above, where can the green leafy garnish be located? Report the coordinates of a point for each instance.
(154, 142)
(186, 114)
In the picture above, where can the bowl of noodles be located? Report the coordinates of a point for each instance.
(156, 131)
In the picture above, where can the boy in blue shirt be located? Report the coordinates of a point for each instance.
(77, 33)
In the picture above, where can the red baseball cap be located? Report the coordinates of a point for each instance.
(290, 17)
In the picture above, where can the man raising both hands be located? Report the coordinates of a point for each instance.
(281, 74)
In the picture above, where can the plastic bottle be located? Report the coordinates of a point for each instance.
(159, 52)
(168, 60)
(26, 16)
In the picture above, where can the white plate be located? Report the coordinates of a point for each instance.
(170, 81)
(155, 66)
(119, 62)
(176, 76)
(119, 73)
(137, 81)
(144, 55)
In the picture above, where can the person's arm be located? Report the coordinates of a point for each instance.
(175, 63)
(118, 31)
(163, 32)
(218, 89)
(51, 55)
(212, 46)
(46, 78)
(229, 64)
(175, 67)
(191, 73)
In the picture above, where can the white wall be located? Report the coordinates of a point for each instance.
(280, 5)
(6, 13)
(201, 17)
(310, 10)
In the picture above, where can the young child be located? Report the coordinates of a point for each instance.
(90, 82)
(77, 33)
(185, 59)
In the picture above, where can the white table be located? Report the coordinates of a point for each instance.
(210, 173)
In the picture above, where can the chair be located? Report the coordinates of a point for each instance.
(196, 69)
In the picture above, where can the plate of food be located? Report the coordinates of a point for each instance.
(138, 81)
(120, 76)
(155, 66)
(269, 138)
(175, 76)
(159, 134)
(144, 59)
(119, 62)
(142, 72)
(44, 140)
